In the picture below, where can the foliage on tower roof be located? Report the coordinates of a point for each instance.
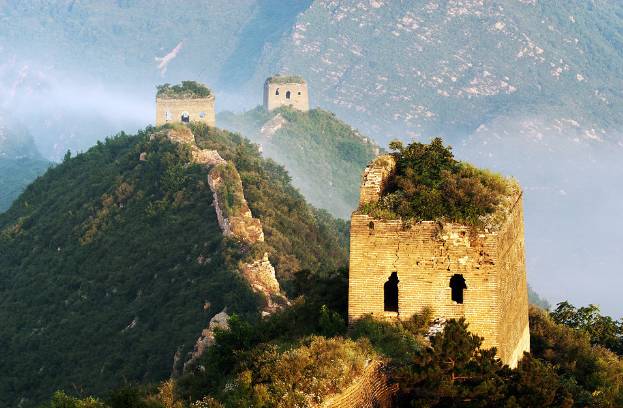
(286, 79)
(430, 184)
(187, 89)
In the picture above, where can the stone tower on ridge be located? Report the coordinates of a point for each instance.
(286, 91)
(399, 268)
(189, 102)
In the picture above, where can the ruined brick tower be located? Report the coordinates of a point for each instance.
(188, 102)
(397, 269)
(286, 91)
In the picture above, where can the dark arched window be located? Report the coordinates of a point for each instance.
(390, 289)
(288, 95)
(457, 283)
(277, 91)
(185, 117)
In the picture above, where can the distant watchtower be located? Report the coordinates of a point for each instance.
(286, 91)
(189, 102)
(399, 268)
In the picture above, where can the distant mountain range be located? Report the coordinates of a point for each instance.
(406, 69)
(20, 161)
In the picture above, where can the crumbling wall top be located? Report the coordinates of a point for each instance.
(375, 178)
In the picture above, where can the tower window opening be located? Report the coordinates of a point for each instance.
(457, 283)
(202, 115)
(277, 91)
(390, 298)
(167, 115)
(288, 95)
(185, 117)
(299, 92)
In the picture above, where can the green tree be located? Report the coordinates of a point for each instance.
(454, 372)
(430, 184)
(62, 400)
(602, 330)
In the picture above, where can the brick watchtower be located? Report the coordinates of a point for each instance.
(398, 268)
(185, 103)
(286, 91)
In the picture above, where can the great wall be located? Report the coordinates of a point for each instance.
(447, 267)
(235, 222)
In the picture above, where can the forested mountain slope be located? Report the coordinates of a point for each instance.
(324, 155)
(109, 265)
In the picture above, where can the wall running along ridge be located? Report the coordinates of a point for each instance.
(427, 254)
(370, 389)
(241, 225)
(274, 101)
(207, 339)
(195, 107)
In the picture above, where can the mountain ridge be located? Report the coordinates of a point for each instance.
(130, 260)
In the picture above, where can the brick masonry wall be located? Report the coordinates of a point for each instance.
(273, 101)
(426, 255)
(514, 332)
(374, 178)
(194, 107)
(371, 389)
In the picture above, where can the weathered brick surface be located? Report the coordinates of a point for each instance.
(241, 225)
(275, 96)
(371, 389)
(374, 178)
(426, 255)
(195, 107)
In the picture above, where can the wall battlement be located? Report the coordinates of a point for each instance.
(428, 256)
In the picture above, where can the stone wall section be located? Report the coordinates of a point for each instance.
(170, 110)
(514, 331)
(260, 274)
(375, 177)
(241, 225)
(207, 339)
(370, 390)
(276, 95)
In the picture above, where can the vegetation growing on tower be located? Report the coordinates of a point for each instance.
(187, 89)
(430, 184)
(286, 79)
